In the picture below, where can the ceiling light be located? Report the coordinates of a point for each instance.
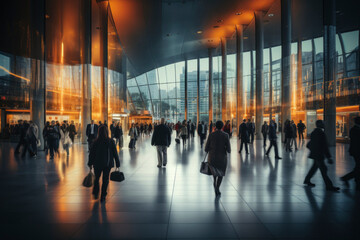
(238, 13)
(199, 32)
(271, 14)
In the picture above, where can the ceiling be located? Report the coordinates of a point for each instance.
(154, 33)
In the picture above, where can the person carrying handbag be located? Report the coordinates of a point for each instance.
(102, 155)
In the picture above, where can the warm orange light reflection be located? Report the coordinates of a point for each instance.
(13, 74)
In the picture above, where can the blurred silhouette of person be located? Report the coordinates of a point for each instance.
(46, 144)
(288, 135)
(119, 135)
(161, 138)
(23, 126)
(133, 133)
(102, 155)
(211, 127)
(217, 146)
(294, 135)
(251, 129)
(184, 132)
(52, 135)
(65, 138)
(32, 139)
(202, 131)
(319, 149)
(264, 131)
(91, 133)
(72, 131)
(273, 140)
(301, 128)
(243, 136)
(354, 150)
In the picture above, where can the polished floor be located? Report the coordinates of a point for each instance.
(262, 198)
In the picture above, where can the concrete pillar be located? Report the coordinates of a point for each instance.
(299, 77)
(186, 90)
(103, 6)
(259, 47)
(239, 75)
(38, 64)
(210, 84)
(85, 54)
(285, 61)
(270, 86)
(224, 110)
(198, 92)
(124, 83)
(329, 15)
(251, 104)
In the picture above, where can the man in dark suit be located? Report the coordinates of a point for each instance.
(72, 131)
(273, 139)
(161, 138)
(202, 130)
(251, 129)
(354, 150)
(319, 149)
(301, 128)
(264, 131)
(91, 132)
(244, 136)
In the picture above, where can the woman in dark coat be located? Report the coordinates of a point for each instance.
(102, 154)
(217, 146)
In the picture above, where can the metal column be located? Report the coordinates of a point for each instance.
(198, 91)
(299, 77)
(285, 60)
(85, 48)
(270, 86)
(239, 74)
(259, 47)
(224, 96)
(186, 89)
(210, 85)
(329, 70)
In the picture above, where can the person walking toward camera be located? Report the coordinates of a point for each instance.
(102, 155)
(319, 149)
(217, 146)
(161, 138)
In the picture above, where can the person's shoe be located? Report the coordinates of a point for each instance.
(102, 199)
(277, 157)
(164, 165)
(267, 154)
(34, 156)
(309, 184)
(346, 182)
(95, 196)
(333, 189)
(159, 166)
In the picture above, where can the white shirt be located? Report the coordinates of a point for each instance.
(92, 128)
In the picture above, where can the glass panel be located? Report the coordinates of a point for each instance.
(162, 75)
(154, 90)
(152, 76)
(141, 80)
(170, 73)
(131, 82)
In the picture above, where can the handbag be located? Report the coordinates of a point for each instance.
(89, 180)
(117, 176)
(204, 168)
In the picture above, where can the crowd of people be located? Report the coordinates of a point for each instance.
(216, 137)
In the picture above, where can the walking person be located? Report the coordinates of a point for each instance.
(264, 131)
(227, 128)
(161, 138)
(133, 133)
(243, 136)
(202, 130)
(301, 128)
(288, 135)
(273, 139)
(319, 149)
(32, 139)
(354, 150)
(52, 135)
(119, 135)
(184, 132)
(23, 127)
(102, 155)
(294, 135)
(251, 129)
(72, 131)
(44, 133)
(91, 133)
(65, 138)
(217, 146)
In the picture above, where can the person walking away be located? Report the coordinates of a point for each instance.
(32, 138)
(264, 131)
(211, 127)
(319, 149)
(44, 133)
(22, 133)
(288, 135)
(227, 128)
(273, 140)
(243, 136)
(354, 150)
(161, 138)
(202, 130)
(184, 132)
(301, 128)
(65, 138)
(102, 155)
(217, 146)
(72, 131)
(91, 133)
(112, 130)
(294, 136)
(119, 135)
(150, 128)
(251, 129)
(133, 133)
(52, 135)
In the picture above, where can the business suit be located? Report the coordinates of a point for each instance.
(264, 131)
(319, 149)
(244, 137)
(273, 140)
(202, 131)
(161, 138)
(91, 133)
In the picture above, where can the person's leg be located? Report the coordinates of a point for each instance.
(164, 153)
(271, 144)
(34, 146)
(295, 143)
(21, 142)
(311, 172)
(323, 170)
(105, 182)
(276, 149)
(95, 191)
(241, 145)
(357, 172)
(246, 148)
(25, 148)
(218, 183)
(51, 147)
(159, 155)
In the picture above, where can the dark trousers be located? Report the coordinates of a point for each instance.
(319, 164)
(355, 173)
(20, 143)
(192, 133)
(273, 143)
(90, 140)
(202, 139)
(105, 181)
(244, 142)
(72, 137)
(52, 146)
(264, 137)
(301, 135)
(251, 137)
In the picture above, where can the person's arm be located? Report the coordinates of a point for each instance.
(169, 137)
(326, 148)
(207, 145)
(153, 138)
(227, 144)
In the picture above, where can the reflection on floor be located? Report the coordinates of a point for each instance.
(261, 197)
